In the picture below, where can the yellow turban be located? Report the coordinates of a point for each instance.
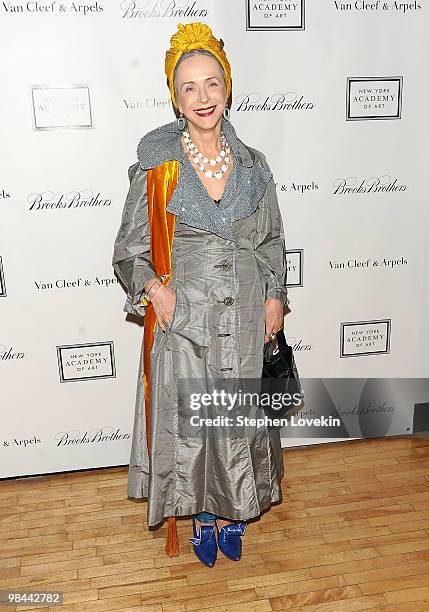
(189, 37)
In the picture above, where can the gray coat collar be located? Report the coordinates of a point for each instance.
(164, 144)
(190, 201)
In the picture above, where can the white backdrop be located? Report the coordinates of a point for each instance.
(333, 93)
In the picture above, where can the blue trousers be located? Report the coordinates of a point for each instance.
(207, 517)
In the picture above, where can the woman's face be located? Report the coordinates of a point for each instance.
(201, 90)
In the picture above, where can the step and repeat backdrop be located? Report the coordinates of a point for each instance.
(334, 94)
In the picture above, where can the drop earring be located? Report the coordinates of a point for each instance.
(181, 122)
(226, 113)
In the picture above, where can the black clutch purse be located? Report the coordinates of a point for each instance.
(279, 363)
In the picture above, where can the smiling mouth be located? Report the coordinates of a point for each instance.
(205, 112)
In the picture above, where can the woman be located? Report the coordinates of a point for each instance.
(201, 251)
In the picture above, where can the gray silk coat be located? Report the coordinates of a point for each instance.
(226, 260)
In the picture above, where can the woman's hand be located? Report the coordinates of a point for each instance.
(164, 303)
(274, 317)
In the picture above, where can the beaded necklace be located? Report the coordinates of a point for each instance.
(200, 160)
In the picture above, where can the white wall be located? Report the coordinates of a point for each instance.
(113, 59)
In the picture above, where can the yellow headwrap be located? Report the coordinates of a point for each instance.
(189, 37)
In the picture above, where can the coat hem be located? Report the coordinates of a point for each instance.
(191, 511)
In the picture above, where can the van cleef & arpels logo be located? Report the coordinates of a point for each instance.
(75, 283)
(24, 443)
(380, 263)
(149, 103)
(52, 7)
(377, 6)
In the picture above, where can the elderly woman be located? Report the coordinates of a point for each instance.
(201, 252)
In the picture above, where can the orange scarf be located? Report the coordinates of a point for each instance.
(161, 182)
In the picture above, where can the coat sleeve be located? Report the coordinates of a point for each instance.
(270, 250)
(131, 255)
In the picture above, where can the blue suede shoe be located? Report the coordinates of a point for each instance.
(229, 540)
(204, 543)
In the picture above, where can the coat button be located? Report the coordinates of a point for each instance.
(226, 266)
(228, 301)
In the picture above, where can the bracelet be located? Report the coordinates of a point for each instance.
(152, 286)
(157, 289)
(154, 283)
(145, 297)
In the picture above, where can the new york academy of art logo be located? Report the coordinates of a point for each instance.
(365, 338)
(369, 98)
(64, 106)
(2, 280)
(284, 15)
(89, 361)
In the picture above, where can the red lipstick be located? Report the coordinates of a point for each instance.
(205, 112)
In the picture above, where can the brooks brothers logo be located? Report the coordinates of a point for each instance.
(298, 344)
(284, 15)
(94, 436)
(2, 280)
(75, 283)
(8, 353)
(150, 103)
(373, 98)
(363, 6)
(381, 263)
(295, 264)
(365, 338)
(48, 200)
(256, 101)
(41, 7)
(61, 107)
(374, 184)
(86, 361)
(158, 9)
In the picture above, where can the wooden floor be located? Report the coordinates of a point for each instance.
(352, 533)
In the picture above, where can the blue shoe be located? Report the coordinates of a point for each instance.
(204, 543)
(229, 540)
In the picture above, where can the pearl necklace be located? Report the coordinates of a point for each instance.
(200, 160)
